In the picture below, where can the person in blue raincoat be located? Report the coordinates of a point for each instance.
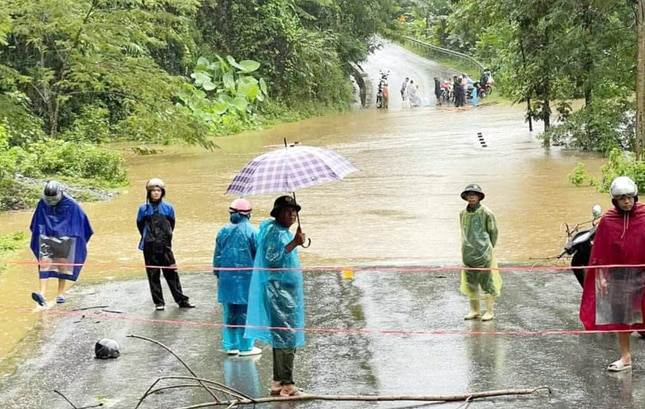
(276, 312)
(235, 247)
(60, 231)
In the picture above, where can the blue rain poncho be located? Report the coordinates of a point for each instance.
(235, 247)
(478, 238)
(59, 234)
(276, 297)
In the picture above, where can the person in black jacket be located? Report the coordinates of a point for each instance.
(156, 222)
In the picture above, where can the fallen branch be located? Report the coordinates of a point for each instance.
(90, 308)
(207, 389)
(74, 406)
(365, 398)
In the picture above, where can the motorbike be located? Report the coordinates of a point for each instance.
(382, 91)
(579, 243)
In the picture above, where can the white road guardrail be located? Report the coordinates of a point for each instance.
(435, 51)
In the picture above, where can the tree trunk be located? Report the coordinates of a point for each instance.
(640, 80)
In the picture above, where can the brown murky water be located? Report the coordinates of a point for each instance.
(400, 209)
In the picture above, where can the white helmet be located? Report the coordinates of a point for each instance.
(623, 186)
(155, 182)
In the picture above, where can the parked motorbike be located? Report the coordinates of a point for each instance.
(382, 91)
(579, 244)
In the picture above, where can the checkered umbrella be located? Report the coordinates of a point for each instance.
(289, 169)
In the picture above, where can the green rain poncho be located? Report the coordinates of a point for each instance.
(478, 238)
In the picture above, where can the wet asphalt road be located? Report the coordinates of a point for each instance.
(443, 356)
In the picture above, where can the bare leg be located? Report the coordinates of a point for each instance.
(625, 347)
(61, 287)
(43, 286)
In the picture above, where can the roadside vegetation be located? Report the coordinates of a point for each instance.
(77, 75)
(545, 56)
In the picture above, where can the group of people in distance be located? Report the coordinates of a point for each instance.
(260, 280)
(410, 93)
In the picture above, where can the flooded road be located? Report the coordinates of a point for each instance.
(400, 211)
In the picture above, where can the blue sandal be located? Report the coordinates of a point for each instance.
(60, 299)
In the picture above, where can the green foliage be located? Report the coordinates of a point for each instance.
(23, 127)
(224, 95)
(56, 157)
(619, 163)
(546, 54)
(578, 175)
(14, 241)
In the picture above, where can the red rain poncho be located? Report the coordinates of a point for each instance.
(612, 298)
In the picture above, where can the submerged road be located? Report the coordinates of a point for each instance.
(389, 331)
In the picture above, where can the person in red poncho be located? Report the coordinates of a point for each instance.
(612, 297)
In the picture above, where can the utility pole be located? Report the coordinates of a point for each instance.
(640, 80)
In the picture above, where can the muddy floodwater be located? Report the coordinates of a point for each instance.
(397, 214)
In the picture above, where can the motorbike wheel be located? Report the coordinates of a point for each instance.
(489, 90)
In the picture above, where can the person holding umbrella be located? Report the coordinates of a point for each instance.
(275, 312)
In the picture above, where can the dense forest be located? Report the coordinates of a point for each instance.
(75, 75)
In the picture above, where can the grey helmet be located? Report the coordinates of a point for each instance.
(106, 349)
(53, 192)
(155, 182)
(623, 186)
(474, 188)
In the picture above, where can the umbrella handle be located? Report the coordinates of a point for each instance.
(308, 243)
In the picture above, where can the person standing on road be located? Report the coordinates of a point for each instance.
(60, 231)
(156, 222)
(478, 239)
(613, 298)
(276, 313)
(404, 88)
(437, 90)
(235, 248)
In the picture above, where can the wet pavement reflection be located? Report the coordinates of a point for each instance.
(400, 211)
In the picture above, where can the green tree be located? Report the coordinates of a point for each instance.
(67, 55)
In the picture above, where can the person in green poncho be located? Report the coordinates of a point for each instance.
(478, 239)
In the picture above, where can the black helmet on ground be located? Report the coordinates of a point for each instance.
(106, 349)
(53, 192)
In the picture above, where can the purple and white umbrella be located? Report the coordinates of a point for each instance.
(289, 169)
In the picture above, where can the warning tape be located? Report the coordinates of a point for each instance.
(325, 268)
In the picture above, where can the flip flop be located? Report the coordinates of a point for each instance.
(39, 299)
(60, 299)
(618, 366)
(275, 392)
(294, 392)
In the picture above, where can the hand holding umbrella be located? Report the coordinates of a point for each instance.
(289, 169)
